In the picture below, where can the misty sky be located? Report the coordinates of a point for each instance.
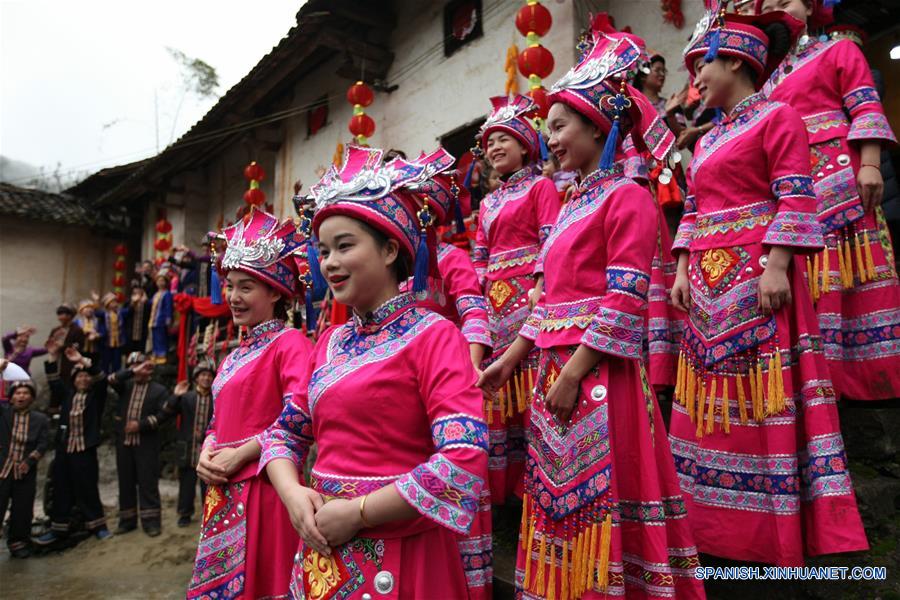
(77, 77)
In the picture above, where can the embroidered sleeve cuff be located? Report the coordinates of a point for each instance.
(790, 228)
(477, 331)
(459, 431)
(532, 325)
(615, 332)
(465, 304)
(862, 98)
(442, 492)
(544, 233)
(871, 126)
(289, 437)
(628, 282)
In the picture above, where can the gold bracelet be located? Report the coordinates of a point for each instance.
(362, 513)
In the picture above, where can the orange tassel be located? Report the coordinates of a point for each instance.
(605, 540)
(826, 269)
(679, 379)
(761, 392)
(840, 257)
(860, 266)
(711, 408)
(577, 564)
(691, 390)
(815, 278)
(779, 383)
(701, 405)
(517, 382)
(726, 407)
(530, 387)
(564, 582)
(489, 410)
(592, 559)
(870, 262)
(523, 527)
(772, 396)
(848, 257)
(529, 546)
(809, 278)
(551, 583)
(542, 559)
(741, 398)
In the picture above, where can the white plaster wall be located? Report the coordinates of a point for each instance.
(43, 265)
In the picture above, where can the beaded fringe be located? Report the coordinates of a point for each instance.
(514, 396)
(583, 551)
(696, 390)
(818, 269)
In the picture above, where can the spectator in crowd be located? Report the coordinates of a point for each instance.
(17, 350)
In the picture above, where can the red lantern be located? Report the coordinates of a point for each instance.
(254, 172)
(539, 95)
(536, 60)
(360, 93)
(362, 125)
(163, 226)
(121, 249)
(533, 18)
(162, 244)
(118, 280)
(254, 196)
(119, 265)
(120, 296)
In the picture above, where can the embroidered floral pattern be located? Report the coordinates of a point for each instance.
(854, 100)
(871, 126)
(513, 258)
(555, 317)
(793, 228)
(627, 281)
(824, 121)
(459, 430)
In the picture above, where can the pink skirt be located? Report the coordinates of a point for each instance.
(247, 543)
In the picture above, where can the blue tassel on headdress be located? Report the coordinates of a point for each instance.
(831, 3)
(460, 222)
(608, 158)
(714, 41)
(312, 258)
(215, 286)
(544, 152)
(420, 269)
(311, 317)
(718, 116)
(467, 182)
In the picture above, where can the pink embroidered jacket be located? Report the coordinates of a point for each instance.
(830, 85)
(391, 400)
(732, 214)
(253, 384)
(729, 204)
(513, 222)
(596, 266)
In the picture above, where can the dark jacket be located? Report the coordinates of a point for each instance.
(186, 408)
(61, 394)
(38, 435)
(152, 413)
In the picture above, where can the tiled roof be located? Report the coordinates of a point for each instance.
(38, 205)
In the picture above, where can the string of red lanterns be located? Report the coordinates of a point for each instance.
(361, 125)
(535, 62)
(254, 196)
(118, 281)
(163, 241)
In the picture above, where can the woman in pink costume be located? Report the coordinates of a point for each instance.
(246, 541)
(755, 430)
(391, 406)
(513, 223)
(853, 282)
(603, 515)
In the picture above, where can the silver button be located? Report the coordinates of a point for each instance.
(297, 557)
(843, 159)
(226, 522)
(367, 596)
(829, 166)
(676, 157)
(384, 582)
(764, 260)
(598, 393)
(820, 174)
(240, 509)
(749, 269)
(665, 176)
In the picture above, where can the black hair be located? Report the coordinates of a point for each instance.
(779, 45)
(280, 311)
(641, 78)
(400, 267)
